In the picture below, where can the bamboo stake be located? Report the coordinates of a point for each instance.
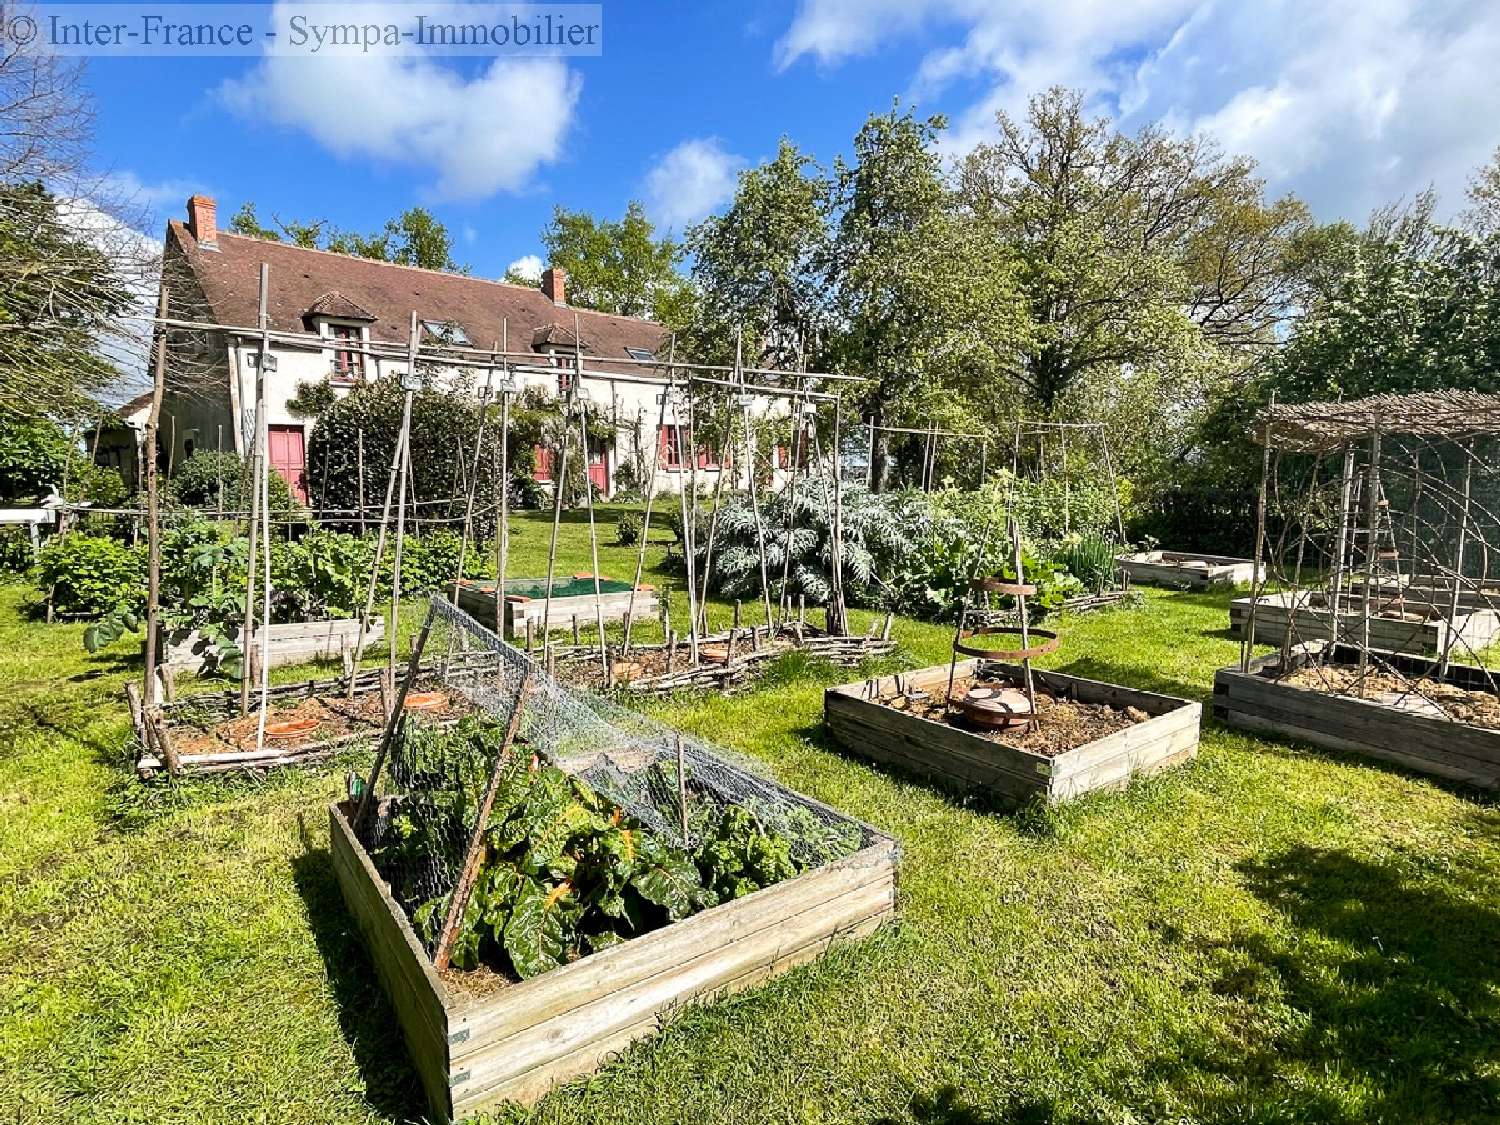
(838, 622)
(359, 445)
(1340, 559)
(682, 788)
(713, 519)
(368, 613)
(153, 521)
(689, 520)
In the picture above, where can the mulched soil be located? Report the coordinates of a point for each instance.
(1061, 724)
(1477, 708)
(334, 716)
(648, 663)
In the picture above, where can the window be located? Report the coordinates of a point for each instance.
(669, 448)
(673, 441)
(565, 380)
(348, 366)
(640, 353)
(446, 332)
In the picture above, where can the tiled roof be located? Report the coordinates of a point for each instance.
(335, 304)
(300, 279)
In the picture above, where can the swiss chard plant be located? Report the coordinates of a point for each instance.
(565, 871)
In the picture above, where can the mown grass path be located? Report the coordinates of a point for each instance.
(1271, 934)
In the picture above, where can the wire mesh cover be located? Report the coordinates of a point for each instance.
(628, 758)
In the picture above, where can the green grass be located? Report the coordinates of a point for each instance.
(1269, 935)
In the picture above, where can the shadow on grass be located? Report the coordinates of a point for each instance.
(1139, 676)
(946, 1106)
(1392, 986)
(366, 1018)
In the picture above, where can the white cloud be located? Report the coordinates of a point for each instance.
(690, 181)
(1350, 103)
(528, 266)
(479, 135)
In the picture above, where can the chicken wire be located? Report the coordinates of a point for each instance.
(628, 758)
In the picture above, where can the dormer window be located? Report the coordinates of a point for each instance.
(348, 364)
(445, 332)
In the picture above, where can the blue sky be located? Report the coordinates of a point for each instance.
(1349, 104)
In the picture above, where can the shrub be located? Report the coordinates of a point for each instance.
(196, 484)
(91, 575)
(628, 529)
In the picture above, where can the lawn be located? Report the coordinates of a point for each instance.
(1270, 934)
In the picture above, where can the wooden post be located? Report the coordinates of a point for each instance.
(394, 719)
(760, 530)
(588, 496)
(1340, 557)
(502, 532)
(530, 633)
(640, 560)
(799, 440)
(559, 478)
(403, 482)
(153, 521)
(1458, 563)
(689, 520)
(1247, 642)
(472, 484)
(257, 454)
(713, 520)
(838, 623)
(682, 788)
(1021, 613)
(359, 446)
(737, 611)
(1372, 513)
(577, 633)
(469, 873)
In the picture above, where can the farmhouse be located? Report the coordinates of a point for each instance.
(338, 304)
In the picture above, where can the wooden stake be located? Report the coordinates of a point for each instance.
(257, 454)
(588, 495)
(153, 520)
(1021, 612)
(1372, 513)
(1458, 564)
(682, 788)
(640, 560)
(469, 873)
(403, 482)
(1247, 642)
(393, 720)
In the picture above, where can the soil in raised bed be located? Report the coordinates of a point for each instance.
(1422, 696)
(333, 717)
(1061, 724)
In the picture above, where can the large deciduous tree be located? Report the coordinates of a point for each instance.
(618, 266)
(1131, 250)
(758, 266)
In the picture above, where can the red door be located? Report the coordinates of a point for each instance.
(289, 457)
(599, 467)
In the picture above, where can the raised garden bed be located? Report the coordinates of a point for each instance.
(1412, 625)
(306, 723)
(1184, 569)
(513, 1041)
(1147, 732)
(291, 642)
(573, 597)
(1443, 726)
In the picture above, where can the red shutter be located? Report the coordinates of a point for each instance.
(289, 457)
(543, 462)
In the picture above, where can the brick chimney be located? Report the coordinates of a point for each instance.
(555, 285)
(202, 211)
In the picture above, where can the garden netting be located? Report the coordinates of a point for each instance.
(439, 766)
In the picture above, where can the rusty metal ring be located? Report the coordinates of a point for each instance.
(1003, 586)
(1050, 643)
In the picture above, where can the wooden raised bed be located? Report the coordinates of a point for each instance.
(478, 600)
(969, 763)
(1425, 742)
(292, 642)
(518, 1042)
(1424, 628)
(1182, 568)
